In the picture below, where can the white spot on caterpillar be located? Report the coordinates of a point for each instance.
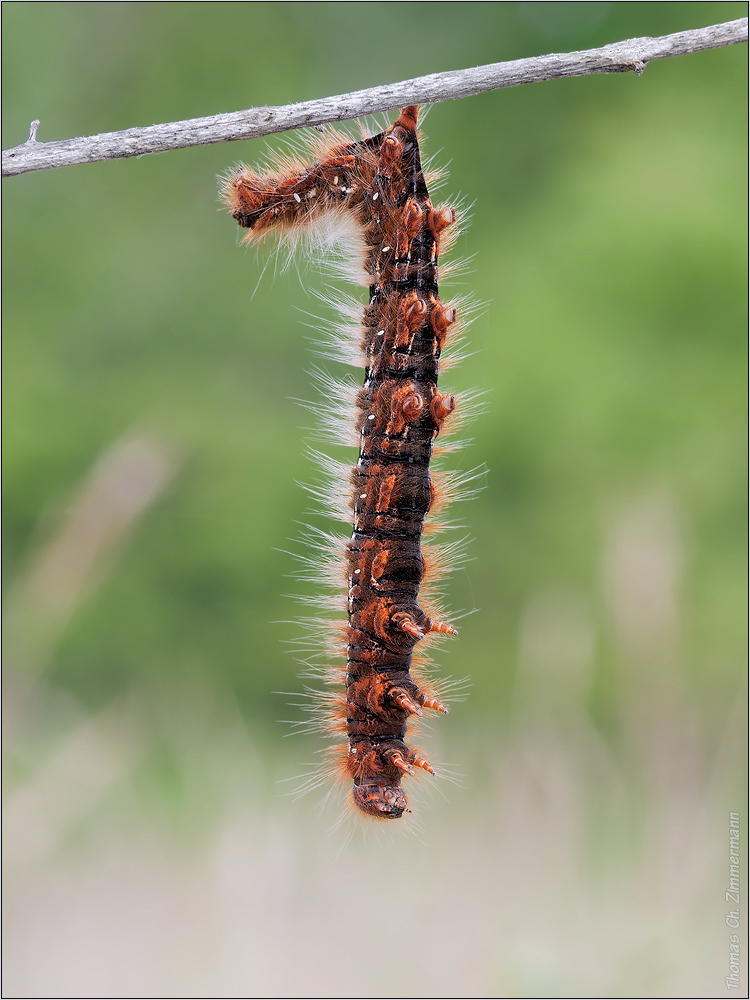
(371, 417)
(375, 196)
(297, 198)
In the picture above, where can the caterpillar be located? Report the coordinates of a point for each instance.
(375, 190)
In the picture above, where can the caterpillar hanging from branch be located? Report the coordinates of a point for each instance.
(375, 190)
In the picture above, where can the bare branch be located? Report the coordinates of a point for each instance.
(621, 57)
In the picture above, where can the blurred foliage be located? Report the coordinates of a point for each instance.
(607, 239)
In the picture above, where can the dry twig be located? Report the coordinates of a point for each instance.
(621, 57)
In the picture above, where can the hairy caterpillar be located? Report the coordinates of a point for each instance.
(376, 190)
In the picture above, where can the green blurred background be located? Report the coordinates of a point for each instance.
(153, 451)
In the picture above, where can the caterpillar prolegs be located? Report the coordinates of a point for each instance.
(376, 191)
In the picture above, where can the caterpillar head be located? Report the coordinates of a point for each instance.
(380, 801)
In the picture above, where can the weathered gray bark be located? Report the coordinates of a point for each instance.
(621, 57)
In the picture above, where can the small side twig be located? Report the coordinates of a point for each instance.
(629, 56)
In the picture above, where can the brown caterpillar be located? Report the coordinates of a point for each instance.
(375, 188)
